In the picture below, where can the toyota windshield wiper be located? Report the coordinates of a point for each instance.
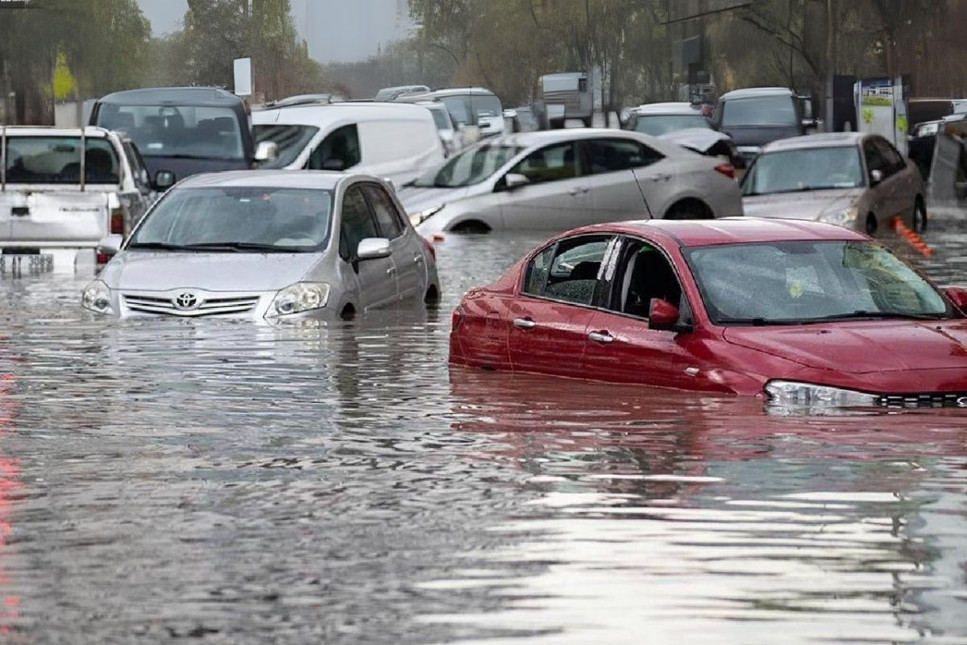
(239, 246)
(884, 315)
(157, 246)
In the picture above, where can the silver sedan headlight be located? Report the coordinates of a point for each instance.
(793, 393)
(418, 218)
(845, 217)
(299, 298)
(97, 297)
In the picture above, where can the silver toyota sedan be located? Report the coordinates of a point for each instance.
(268, 245)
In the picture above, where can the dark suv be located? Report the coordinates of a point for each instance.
(756, 116)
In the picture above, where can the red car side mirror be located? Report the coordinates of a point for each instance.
(663, 315)
(958, 296)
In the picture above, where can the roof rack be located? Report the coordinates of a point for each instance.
(306, 99)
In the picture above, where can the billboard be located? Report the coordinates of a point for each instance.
(679, 10)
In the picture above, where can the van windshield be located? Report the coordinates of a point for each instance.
(184, 131)
(291, 140)
(760, 111)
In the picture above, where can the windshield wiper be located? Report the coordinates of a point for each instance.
(881, 315)
(238, 247)
(157, 246)
(753, 322)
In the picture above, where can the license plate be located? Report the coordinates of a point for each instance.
(20, 265)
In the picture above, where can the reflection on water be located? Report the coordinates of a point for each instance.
(234, 483)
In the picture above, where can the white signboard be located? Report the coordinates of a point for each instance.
(244, 81)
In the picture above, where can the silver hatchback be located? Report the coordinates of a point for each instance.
(268, 245)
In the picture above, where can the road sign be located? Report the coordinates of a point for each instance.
(679, 10)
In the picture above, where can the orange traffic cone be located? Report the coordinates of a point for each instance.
(911, 237)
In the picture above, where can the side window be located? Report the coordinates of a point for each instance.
(338, 151)
(892, 158)
(874, 160)
(549, 164)
(387, 216)
(567, 271)
(612, 155)
(357, 222)
(644, 273)
(137, 164)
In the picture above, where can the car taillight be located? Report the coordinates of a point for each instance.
(726, 169)
(117, 222)
(429, 247)
(102, 258)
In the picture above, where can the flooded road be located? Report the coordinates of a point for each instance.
(177, 481)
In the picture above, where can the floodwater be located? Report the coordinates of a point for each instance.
(204, 481)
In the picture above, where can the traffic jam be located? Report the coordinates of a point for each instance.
(728, 248)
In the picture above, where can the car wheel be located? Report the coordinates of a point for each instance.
(691, 209)
(470, 227)
(919, 216)
(871, 224)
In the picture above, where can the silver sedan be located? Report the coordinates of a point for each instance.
(559, 179)
(851, 179)
(268, 245)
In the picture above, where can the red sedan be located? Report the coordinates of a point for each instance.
(799, 312)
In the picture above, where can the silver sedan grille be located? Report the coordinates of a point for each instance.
(205, 305)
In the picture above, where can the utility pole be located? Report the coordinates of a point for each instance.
(831, 19)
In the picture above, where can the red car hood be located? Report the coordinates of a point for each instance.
(864, 347)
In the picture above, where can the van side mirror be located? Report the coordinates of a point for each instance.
(164, 179)
(266, 151)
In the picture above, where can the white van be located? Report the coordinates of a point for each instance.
(395, 141)
(468, 106)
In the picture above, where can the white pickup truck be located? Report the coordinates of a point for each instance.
(61, 191)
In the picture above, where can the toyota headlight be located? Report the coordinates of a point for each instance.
(797, 394)
(97, 297)
(422, 216)
(299, 298)
(845, 217)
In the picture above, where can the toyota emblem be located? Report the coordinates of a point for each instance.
(186, 301)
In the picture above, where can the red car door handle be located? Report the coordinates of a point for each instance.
(602, 337)
(524, 323)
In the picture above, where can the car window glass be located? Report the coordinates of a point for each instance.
(553, 163)
(138, 168)
(169, 130)
(892, 158)
(567, 271)
(644, 273)
(760, 111)
(612, 155)
(57, 160)
(357, 222)
(338, 151)
(290, 139)
(874, 160)
(387, 216)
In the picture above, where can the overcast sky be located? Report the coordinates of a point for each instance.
(340, 30)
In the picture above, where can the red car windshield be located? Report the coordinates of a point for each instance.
(806, 281)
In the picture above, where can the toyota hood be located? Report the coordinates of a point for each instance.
(801, 205)
(865, 347)
(159, 271)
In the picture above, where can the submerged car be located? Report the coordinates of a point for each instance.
(796, 312)
(855, 180)
(268, 245)
(555, 180)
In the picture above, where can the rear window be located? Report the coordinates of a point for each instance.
(58, 160)
(760, 111)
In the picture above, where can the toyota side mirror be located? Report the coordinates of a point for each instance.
(373, 248)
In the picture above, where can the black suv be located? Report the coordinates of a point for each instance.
(755, 116)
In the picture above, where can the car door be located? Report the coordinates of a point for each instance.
(883, 199)
(903, 181)
(405, 243)
(619, 345)
(556, 195)
(612, 164)
(547, 323)
(376, 278)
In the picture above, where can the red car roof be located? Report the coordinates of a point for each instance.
(730, 230)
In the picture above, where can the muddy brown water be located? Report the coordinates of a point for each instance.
(169, 481)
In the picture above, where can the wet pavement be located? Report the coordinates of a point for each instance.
(207, 481)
